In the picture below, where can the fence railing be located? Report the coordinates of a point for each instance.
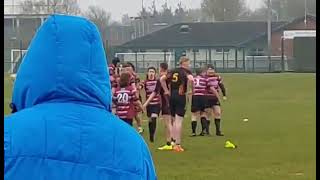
(254, 64)
(251, 64)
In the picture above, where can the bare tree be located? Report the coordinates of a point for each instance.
(291, 9)
(33, 7)
(100, 17)
(125, 20)
(180, 13)
(50, 6)
(222, 10)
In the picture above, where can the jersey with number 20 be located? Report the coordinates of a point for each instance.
(125, 100)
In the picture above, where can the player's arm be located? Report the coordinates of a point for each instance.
(215, 92)
(164, 86)
(190, 82)
(134, 86)
(223, 89)
(152, 95)
(137, 102)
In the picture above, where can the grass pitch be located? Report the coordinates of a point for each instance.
(277, 143)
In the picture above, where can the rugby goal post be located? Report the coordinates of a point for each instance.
(15, 59)
(143, 60)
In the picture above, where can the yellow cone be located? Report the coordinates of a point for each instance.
(229, 144)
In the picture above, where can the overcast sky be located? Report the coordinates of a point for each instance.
(117, 8)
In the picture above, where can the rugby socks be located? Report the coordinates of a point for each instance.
(152, 128)
(217, 123)
(203, 124)
(208, 126)
(194, 126)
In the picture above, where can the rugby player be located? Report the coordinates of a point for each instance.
(153, 107)
(116, 65)
(178, 82)
(165, 110)
(114, 78)
(213, 102)
(198, 105)
(135, 83)
(125, 98)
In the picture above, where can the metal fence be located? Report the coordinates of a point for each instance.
(251, 64)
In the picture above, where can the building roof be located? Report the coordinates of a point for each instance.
(280, 28)
(216, 34)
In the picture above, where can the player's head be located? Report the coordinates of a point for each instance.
(163, 68)
(151, 74)
(204, 71)
(132, 66)
(210, 70)
(199, 71)
(184, 62)
(124, 79)
(128, 67)
(115, 61)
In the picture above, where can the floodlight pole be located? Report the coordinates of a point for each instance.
(269, 34)
(142, 20)
(12, 6)
(305, 12)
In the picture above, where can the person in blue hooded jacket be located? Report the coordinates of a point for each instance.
(62, 127)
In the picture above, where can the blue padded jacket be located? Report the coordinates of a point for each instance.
(63, 128)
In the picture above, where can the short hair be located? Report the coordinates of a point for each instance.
(210, 66)
(115, 61)
(152, 68)
(129, 64)
(124, 80)
(125, 65)
(183, 59)
(164, 66)
(199, 71)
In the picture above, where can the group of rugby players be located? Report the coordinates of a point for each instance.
(167, 93)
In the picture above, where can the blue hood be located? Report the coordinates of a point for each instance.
(65, 62)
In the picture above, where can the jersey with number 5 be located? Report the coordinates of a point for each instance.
(125, 99)
(178, 80)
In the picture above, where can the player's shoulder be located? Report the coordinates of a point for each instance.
(218, 77)
(117, 89)
(185, 71)
(204, 76)
(129, 88)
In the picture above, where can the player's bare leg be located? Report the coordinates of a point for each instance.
(217, 119)
(168, 127)
(168, 131)
(138, 120)
(178, 132)
(173, 130)
(152, 126)
(194, 117)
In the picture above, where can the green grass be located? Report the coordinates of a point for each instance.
(277, 143)
(7, 93)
